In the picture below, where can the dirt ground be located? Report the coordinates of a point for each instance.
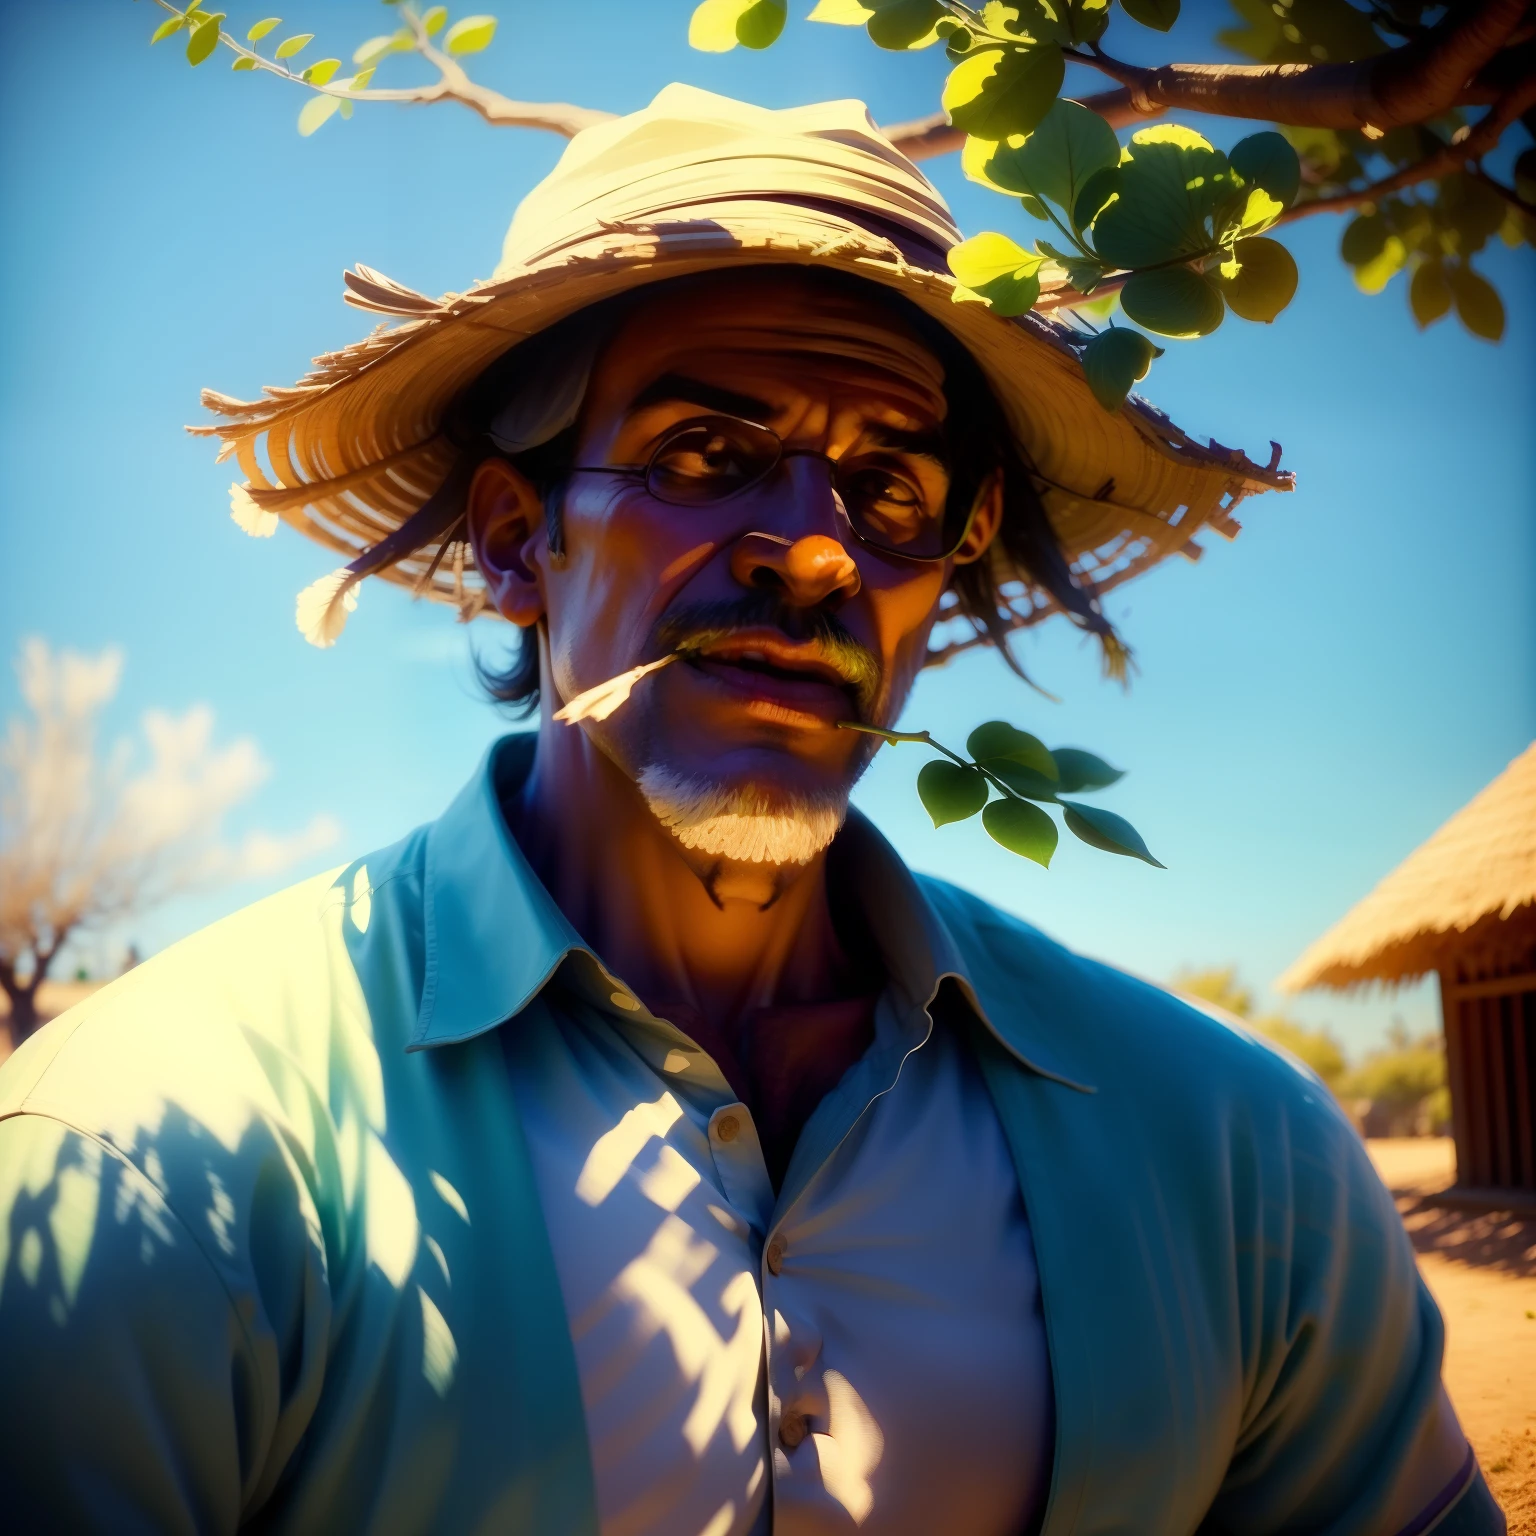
(1481, 1269)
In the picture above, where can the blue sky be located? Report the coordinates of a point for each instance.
(1313, 699)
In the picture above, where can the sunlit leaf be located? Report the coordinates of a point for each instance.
(1103, 829)
(432, 19)
(1000, 270)
(243, 63)
(950, 792)
(759, 25)
(170, 25)
(470, 35)
(1160, 15)
(361, 78)
(1112, 362)
(1374, 275)
(1265, 281)
(292, 45)
(998, 742)
(1173, 301)
(1169, 192)
(1363, 238)
(1267, 160)
(317, 110)
(712, 27)
(1082, 770)
(1260, 210)
(204, 39)
(261, 28)
(373, 50)
(321, 72)
(905, 24)
(1021, 828)
(1086, 20)
(1070, 146)
(1478, 304)
(1429, 294)
(995, 92)
(841, 13)
(345, 109)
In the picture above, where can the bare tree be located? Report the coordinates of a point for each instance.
(86, 841)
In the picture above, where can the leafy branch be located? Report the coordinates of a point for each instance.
(1008, 777)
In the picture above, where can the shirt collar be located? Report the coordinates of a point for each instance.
(494, 936)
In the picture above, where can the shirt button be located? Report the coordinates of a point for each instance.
(792, 1429)
(775, 1255)
(727, 1127)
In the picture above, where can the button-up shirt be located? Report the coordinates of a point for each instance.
(273, 1246)
(862, 1348)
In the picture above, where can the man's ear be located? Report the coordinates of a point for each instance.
(985, 521)
(506, 531)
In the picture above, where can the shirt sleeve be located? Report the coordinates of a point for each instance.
(1348, 1431)
(152, 1383)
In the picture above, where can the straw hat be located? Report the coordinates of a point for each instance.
(693, 183)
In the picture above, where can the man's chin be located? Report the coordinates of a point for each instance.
(745, 823)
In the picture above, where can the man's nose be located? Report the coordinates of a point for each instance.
(810, 569)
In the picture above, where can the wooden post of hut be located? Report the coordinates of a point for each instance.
(1464, 906)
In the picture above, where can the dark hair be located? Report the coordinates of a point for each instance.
(1025, 552)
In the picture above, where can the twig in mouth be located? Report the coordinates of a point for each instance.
(600, 702)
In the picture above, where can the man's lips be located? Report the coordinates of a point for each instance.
(766, 666)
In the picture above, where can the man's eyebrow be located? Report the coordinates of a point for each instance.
(712, 397)
(929, 442)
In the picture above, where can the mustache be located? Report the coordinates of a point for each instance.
(694, 626)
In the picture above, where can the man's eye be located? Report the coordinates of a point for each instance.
(885, 492)
(703, 456)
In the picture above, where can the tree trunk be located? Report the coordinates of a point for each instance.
(23, 1018)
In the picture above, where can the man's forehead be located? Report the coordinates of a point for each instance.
(777, 326)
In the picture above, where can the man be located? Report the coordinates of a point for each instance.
(640, 1147)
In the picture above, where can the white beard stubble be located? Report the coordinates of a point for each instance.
(741, 823)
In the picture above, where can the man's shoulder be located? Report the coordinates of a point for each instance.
(269, 972)
(1108, 1028)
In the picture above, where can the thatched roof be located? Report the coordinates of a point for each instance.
(1468, 894)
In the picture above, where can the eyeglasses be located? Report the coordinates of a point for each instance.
(715, 459)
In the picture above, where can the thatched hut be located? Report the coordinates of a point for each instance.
(1464, 906)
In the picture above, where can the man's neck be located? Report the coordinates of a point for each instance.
(725, 939)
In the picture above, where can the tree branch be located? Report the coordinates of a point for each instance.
(1479, 141)
(1420, 80)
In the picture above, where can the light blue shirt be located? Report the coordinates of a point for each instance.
(272, 1242)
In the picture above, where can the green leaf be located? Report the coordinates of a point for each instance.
(433, 18)
(1170, 190)
(1267, 160)
(1429, 294)
(1113, 361)
(243, 63)
(1095, 193)
(1086, 20)
(995, 92)
(712, 27)
(1083, 770)
(1024, 781)
(1033, 206)
(292, 45)
(170, 25)
(1070, 146)
(905, 24)
(1021, 828)
(1374, 275)
(1160, 15)
(317, 110)
(841, 13)
(1001, 271)
(1265, 281)
(759, 25)
(261, 29)
(470, 35)
(1173, 301)
(950, 792)
(1477, 302)
(321, 72)
(998, 742)
(345, 109)
(1363, 239)
(204, 39)
(1103, 829)
(360, 80)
